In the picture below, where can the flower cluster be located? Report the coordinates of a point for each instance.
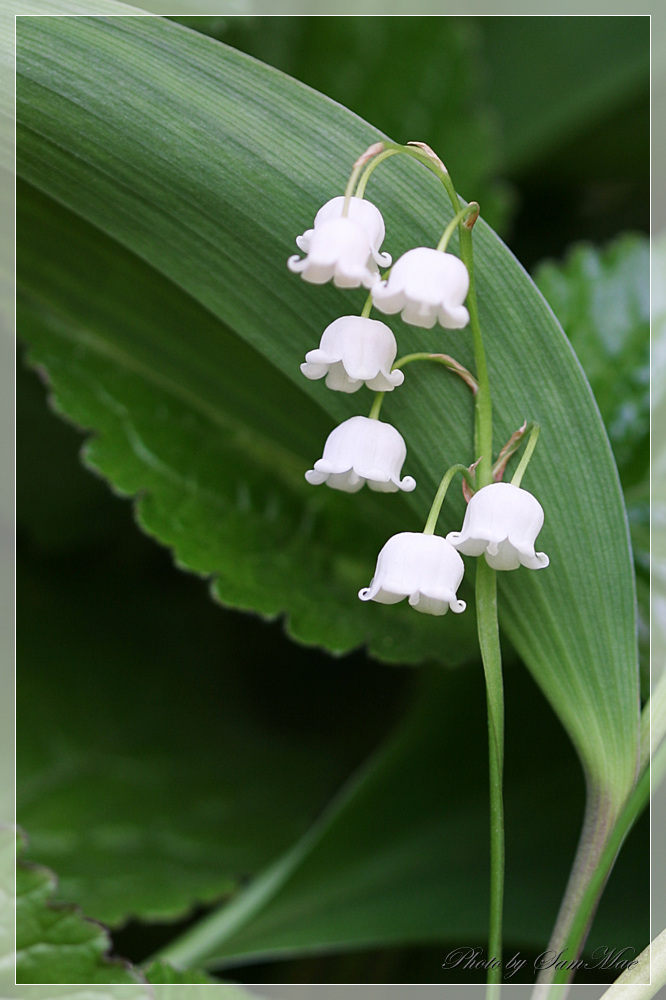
(427, 286)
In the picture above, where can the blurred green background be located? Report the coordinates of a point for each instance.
(544, 121)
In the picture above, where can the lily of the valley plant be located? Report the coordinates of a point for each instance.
(428, 287)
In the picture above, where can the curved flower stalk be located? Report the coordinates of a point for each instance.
(424, 568)
(362, 450)
(426, 286)
(502, 521)
(355, 350)
(359, 210)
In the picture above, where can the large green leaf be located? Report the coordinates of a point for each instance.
(421, 75)
(206, 164)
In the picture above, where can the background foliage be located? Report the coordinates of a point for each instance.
(131, 802)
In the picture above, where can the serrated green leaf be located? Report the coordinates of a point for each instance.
(164, 974)
(207, 164)
(56, 943)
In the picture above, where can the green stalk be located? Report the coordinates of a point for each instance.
(487, 620)
(367, 308)
(376, 406)
(370, 152)
(464, 213)
(486, 592)
(527, 454)
(360, 190)
(442, 359)
(488, 629)
(431, 523)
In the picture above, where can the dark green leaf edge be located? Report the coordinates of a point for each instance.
(39, 916)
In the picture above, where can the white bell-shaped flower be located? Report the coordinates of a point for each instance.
(365, 213)
(362, 450)
(354, 350)
(426, 285)
(424, 568)
(503, 522)
(339, 249)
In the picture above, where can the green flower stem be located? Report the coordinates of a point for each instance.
(369, 154)
(360, 190)
(488, 629)
(431, 523)
(527, 454)
(376, 406)
(461, 216)
(367, 308)
(486, 585)
(443, 359)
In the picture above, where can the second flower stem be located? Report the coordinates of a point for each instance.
(431, 523)
(488, 630)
